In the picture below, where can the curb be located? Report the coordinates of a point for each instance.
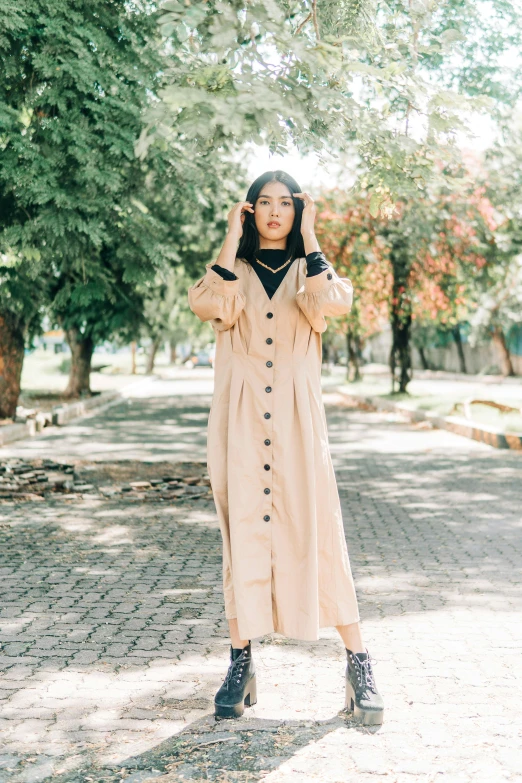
(486, 380)
(446, 375)
(74, 410)
(456, 424)
(12, 432)
(63, 414)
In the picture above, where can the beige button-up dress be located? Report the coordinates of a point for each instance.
(285, 559)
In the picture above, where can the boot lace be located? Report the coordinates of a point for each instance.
(365, 673)
(235, 671)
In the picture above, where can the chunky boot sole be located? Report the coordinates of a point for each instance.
(236, 710)
(365, 717)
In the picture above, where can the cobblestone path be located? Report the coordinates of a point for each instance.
(113, 636)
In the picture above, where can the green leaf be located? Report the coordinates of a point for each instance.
(142, 208)
(451, 35)
(173, 5)
(31, 253)
(224, 38)
(26, 116)
(438, 123)
(181, 32)
(167, 29)
(375, 203)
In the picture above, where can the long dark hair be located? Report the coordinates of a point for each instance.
(249, 242)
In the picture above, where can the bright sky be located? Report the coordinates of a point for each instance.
(307, 170)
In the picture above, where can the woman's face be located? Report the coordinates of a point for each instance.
(274, 213)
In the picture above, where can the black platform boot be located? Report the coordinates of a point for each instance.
(239, 687)
(362, 696)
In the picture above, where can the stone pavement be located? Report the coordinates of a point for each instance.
(114, 639)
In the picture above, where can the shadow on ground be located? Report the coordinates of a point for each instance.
(247, 749)
(114, 638)
(170, 428)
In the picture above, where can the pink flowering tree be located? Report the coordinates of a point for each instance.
(416, 264)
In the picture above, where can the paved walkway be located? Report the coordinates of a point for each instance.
(114, 639)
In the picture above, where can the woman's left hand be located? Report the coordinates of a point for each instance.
(309, 211)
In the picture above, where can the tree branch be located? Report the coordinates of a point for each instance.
(307, 19)
(316, 25)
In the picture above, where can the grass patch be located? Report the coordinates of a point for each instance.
(440, 397)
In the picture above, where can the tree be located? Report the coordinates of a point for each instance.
(21, 293)
(89, 319)
(498, 294)
(435, 253)
(498, 289)
(77, 77)
(348, 237)
(445, 274)
(393, 81)
(96, 221)
(417, 263)
(167, 315)
(194, 210)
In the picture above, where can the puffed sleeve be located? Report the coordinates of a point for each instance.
(324, 294)
(214, 299)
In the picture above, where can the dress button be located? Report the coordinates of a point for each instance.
(267, 467)
(268, 389)
(266, 518)
(267, 415)
(269, 315)
(269, 341)
(267, 491)
(267, 442)
(269, 364)
(329, 276)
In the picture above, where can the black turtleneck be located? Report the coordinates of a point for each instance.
(315, 264)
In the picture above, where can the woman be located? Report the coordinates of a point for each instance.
(285, 559)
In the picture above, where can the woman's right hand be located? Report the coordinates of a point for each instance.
(236, 217)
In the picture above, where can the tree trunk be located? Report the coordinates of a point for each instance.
(400, 355)
(133, 358)
(151, 356)
(424, 361)
(352, 358)
(173, 354)
(400, 352)
(460, 348)
(11, 362)
(359, 344)
(499, 340)
(325, 352)
(82, 349)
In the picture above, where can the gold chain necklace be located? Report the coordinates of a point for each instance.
(270, 268)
